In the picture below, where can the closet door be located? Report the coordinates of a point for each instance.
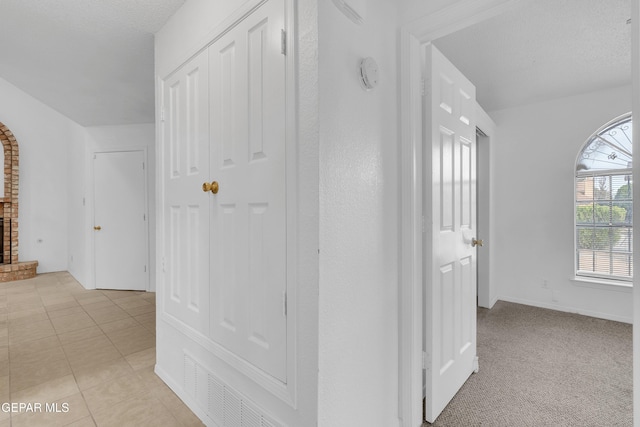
(248, 213)
(185, 169)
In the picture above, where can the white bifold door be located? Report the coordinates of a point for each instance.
(186, 207)
(225, 193)
(450, 225)
(248, 214)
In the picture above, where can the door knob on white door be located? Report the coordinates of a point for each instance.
(97, 228)
(213, 187)
(475, 242)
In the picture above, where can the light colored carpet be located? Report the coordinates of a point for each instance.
(546, 368)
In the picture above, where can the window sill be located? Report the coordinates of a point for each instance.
(604, 284)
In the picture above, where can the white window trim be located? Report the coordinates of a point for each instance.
(588, 279)
(601, 283)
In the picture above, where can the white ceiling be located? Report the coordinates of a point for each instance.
(91, 60)
(544, 49)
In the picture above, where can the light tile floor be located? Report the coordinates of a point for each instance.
(85, 356)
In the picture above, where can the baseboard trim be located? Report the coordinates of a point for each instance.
(566, 309)
(492, 302)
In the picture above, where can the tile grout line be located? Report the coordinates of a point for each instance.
(73, 372)
(47, 293)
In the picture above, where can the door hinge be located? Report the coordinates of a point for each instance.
(164, 270)
(142, 165)
(144, 217)
(283, 42)
(145, 268)
(424, 360)
(423, 87)
(162, 113)
(284, 303)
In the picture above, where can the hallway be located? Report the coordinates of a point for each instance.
(71, 356)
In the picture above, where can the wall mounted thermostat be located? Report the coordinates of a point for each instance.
(369, 73)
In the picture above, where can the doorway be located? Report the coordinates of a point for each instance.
(120, 231)
(451, 243)
(413, 36)
(486, 138)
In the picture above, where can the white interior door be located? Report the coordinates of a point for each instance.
(450, 226)
(248, 214)
(120, 221)
(186, 206)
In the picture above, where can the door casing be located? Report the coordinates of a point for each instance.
(486, 292)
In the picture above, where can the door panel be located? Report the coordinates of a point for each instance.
(450, 218)
(248, 214)
(186, 142)
(120, 235)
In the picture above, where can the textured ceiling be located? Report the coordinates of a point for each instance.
(544, 49)
(92, 60)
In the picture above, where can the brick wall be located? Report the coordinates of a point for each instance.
(12, 269)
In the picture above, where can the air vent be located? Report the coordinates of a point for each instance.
(224, 405)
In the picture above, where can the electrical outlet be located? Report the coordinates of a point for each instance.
(545, 283)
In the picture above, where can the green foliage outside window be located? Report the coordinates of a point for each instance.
(594, 237)
(624, 193)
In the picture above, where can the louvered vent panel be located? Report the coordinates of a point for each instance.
(250, 418)
(216, 400)
(232, 409)
(223, 404)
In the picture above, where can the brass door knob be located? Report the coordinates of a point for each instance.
(475, 242)
(213, 187)
(97, 228)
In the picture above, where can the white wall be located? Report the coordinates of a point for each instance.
(54, 179)
(358, 197)
(77, 184)
(412, 9)
(99, 138)
(359, 201)
(533, 202)
(43, 136)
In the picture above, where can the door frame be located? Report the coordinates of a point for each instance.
(487, 295)
(92, 203)
(412, 37)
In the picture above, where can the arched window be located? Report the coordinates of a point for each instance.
(604, 203)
